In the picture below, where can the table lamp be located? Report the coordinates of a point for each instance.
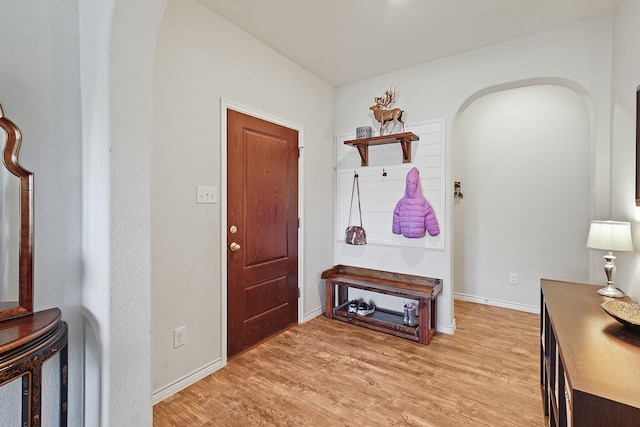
(610, 236)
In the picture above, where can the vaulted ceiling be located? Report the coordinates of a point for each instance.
(343, 41)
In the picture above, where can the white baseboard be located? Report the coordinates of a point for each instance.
(192, 378)
(447, 329)
(315, 313)
(497, 303)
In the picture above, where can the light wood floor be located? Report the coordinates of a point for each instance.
(326, 372)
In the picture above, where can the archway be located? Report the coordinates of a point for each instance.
(523, 156)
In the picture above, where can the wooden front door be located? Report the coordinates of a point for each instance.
(262, 230)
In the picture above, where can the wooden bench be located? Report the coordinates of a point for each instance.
(423, 289)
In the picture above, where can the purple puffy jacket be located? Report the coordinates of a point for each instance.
(413, 213)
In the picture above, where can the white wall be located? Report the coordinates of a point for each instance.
(577, 54)
(523, 158)
(201, 58)
(117, 47)
(39, 91)
(94, 82)
(626, 79)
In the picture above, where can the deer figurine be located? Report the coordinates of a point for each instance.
(382, 115)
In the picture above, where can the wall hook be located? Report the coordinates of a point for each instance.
(457, 190)
(355, 174)
(384, 172)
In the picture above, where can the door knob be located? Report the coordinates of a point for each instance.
(234, 246)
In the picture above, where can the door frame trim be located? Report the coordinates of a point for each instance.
(232, 105)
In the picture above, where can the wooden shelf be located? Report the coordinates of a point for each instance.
(404, 139)
(381, 320)
(17, 332)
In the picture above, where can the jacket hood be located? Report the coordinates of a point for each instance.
(413, 183)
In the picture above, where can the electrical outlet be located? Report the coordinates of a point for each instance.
(513, 279)
(206, 194)
(179, 336)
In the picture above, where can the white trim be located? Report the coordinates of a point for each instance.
(315, 313)
(497, 303)
(184, 382)
(223, 231)
(450, 329)
(224, 105)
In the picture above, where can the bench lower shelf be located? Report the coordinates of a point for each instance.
(380, 320)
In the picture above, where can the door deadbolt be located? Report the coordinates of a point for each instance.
(234, 246)
(233, 229)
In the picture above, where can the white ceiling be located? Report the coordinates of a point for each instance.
(343, 41)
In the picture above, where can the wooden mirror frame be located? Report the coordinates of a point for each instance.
(25, 267)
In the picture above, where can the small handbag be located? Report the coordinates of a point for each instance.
(355, 235)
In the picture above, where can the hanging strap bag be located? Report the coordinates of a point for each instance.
(355, 235)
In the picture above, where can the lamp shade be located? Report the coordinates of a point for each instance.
(610, 236)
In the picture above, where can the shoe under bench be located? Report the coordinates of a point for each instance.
(424, 290)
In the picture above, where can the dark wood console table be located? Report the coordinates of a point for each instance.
(590, 363)
(423, 289)
(25, 344)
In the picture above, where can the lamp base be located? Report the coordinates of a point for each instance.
(610, 270)
(611, 291)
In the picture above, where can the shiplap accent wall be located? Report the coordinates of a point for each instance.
(379, 194)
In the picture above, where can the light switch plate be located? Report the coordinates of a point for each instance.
(206, 194)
